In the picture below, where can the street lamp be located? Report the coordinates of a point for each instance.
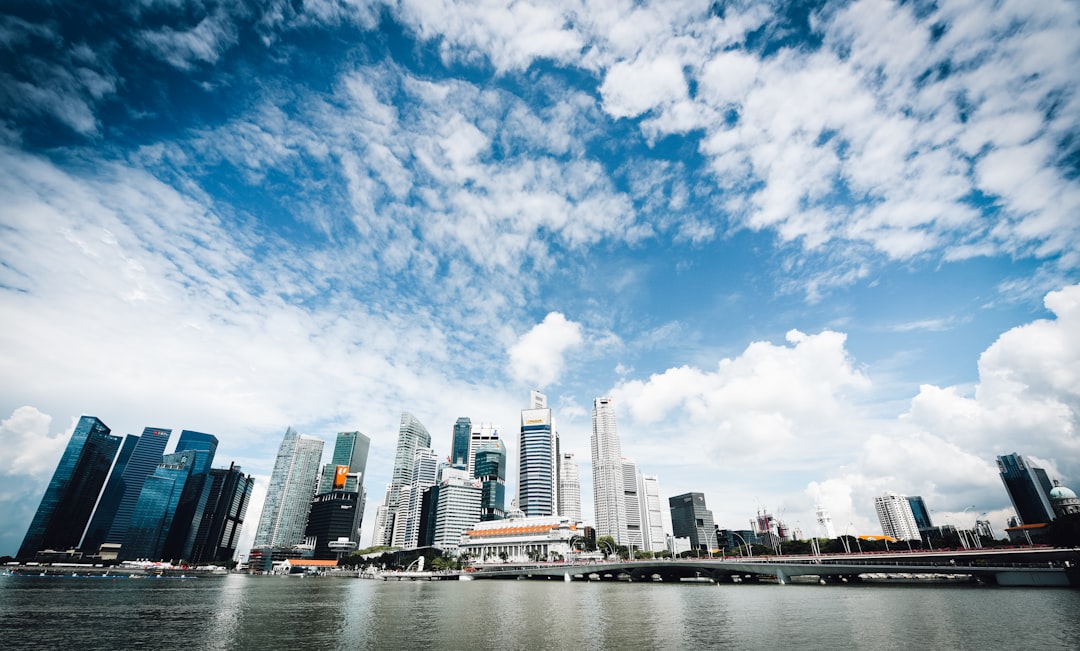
(749, 549)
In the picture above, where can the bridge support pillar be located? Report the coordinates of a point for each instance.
(781, 578)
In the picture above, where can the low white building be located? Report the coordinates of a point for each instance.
(519, 539)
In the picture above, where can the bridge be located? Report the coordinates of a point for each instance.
(1012, 567)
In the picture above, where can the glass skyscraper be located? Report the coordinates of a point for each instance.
(920, 512)
(193, 501)
(569, 488)
(1029, 488)
(146, 457)
(491, 473)
(69, 499)
(288, 497)
(155, 511)
(344, 474)
(110, 498)
(690, 518)
(537, 458)
(459, 449)
(219, 531)
(411, 435)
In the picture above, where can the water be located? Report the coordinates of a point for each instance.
(242, 612)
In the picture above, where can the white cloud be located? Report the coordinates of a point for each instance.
(539, 356)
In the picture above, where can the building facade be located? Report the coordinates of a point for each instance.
(411, 435)
(288, 496)
(691, 518)
(608, 497)
(1029, 488)
(459, 445)
(456, 509)
(218, 533)
(155, 512)
(652, 524)
(490, 471)
(537, 458)
(569, 488)
(69, 499)
(894, 514)
(519, 539)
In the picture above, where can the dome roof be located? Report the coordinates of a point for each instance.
(1059, 492)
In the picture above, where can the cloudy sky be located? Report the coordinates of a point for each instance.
(814, 251)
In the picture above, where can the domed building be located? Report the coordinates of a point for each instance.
(1064, 500)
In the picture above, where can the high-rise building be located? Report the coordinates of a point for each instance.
(537, 457)
(1029, 488)
(110, 498)
(691, 518)
(457, 509)
(383, 521)
(411, 435)
(481, 435)
(288, 496)
(897, 520)
(490, 462)
(632, 505)
(332, 518)
(652, 524)
(569, 488)
(919, 512)
(155, 512)
(144, 460)
(608, 490)
(219, 531)
(407, 519)
(459, 447)
(69, 499)
(192, 505)
(350, 457)
(344, 473)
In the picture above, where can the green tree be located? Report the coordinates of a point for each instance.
(606, 545)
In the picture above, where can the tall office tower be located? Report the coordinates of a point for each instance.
(424, 475)
(110, 499)
(456, 509)
(411, 435)
(1028, 487)
(652, 522)
(155, 512)
(147, 455)
(569, 488)
(481, 435)
(632, 505)
(919, 512)
(897, 520)
(288, 496)
(69, 499)
(537, 457)
(219, 531)
(459, 447)
(825, 525)
(351, 453)
(690, 518)
(189, 512)
(333, 517)
(608, 498)
(490, 461)
(383, 522)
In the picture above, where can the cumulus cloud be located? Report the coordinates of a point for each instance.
(539, 356)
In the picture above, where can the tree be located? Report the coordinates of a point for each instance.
(606, 544)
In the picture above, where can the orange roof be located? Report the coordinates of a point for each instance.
(508, 531)
(305, 563)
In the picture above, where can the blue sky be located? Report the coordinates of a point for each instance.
(814, 251)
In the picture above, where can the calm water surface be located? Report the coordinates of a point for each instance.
(242, 612)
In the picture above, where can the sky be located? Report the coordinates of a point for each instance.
(814, 251)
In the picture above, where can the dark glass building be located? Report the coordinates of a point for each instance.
(921, 513)
(691, 519)
(459, 451)
(196, 494)
(65, 509)
(223, 518)
(491, 472)
(1028, 487)
(149, 448)
(110, 498)
(332, 516)
(156, 509)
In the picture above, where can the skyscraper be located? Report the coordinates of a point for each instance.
(344, 474)
(69, 499)
(223, 519)
(569, 488)
(481, 435)
(537, 457)
(652, 523)
(110, 498)
(690, 518)
(608, 496)
(459, 447)
(196, 493)
(351, 452)
(144, 460)
(1029, 488)
(897, 520)
(407, 519)
(288, 496)
(411, 435)
(632, 505)
(155, 512)
(919, 512)
(457, 508)
(490, 461)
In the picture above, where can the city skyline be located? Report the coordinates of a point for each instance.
(813, 253)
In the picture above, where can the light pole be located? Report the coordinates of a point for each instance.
(963, 533)
(749, 549)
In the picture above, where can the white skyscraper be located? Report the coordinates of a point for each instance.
(288, 496)
(457, 510)
(411, 435)
(633, 505)
(482, 434)
(538, 491)
(652, 523)
(569, 488)
(608, 488)
(897, 520)
(424, 475)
